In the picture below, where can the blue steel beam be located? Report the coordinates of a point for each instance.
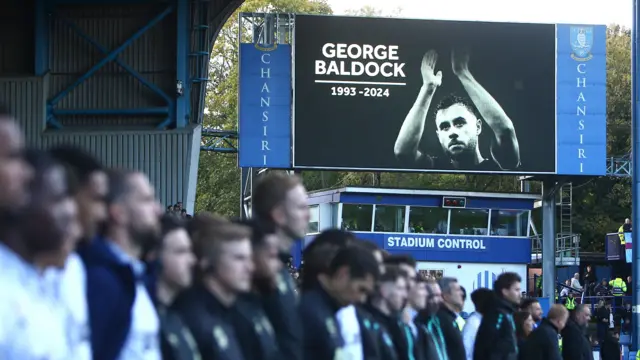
(136, 111)
(110, 57)
(183, 40)
(123, 65)
(635, 179)
(42, 38)
(221, 141)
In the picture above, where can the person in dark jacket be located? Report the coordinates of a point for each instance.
(524, 326)
(496, 338)
(375, 338)
(253, 328)
(122, 315)
(542, 344)
(610, 348)
(430, 339)
(281, 201)
(351, 277)
(603, 310)
(224, 270)
(386, 306)
(175, 261)
(452, 302)
(575, 341)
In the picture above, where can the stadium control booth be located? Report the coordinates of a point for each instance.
(472, 236)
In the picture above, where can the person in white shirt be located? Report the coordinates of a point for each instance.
(33, 322)
(88, 184)
(482, 298)
(575, 282)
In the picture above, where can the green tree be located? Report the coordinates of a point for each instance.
(371, 11)
(218, 175)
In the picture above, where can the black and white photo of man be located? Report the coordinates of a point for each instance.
(459, 121)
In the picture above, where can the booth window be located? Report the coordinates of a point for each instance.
(356, 217)
(469, 222)
(509, 222)
(389, 219)
(314, 219)
(428, 220)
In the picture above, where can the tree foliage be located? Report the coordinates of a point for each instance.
(599, 205)
(218, 175)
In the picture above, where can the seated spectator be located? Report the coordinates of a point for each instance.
(575, 282)
(565, 289)
(602, 289)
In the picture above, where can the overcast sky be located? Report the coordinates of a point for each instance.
(540, 11)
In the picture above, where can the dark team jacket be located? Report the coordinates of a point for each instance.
(452, 334)
(542, 343)
(575, 342)
(376, 341)
(254, 330)
(496, 339)
(176, 341)
(610, 348)
(280, 307)
(430, 342)
(210, 323)
(111, 291)
(401, 334)
(322, 339)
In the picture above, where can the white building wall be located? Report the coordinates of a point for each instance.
(467, 275)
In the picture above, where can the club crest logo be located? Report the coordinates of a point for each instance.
(581, 42)
(484, 279)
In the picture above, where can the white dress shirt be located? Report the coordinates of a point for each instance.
(71, 285)
(33, 323)
(469, 333)
(142, 341)
(350, 330)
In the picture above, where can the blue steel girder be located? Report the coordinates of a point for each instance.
(619, 166)
(112, 55)
(221, 141)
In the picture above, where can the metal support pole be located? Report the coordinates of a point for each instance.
(245, 190)
(182, 63)
(42, 38)
(549, 240)
(635, 173)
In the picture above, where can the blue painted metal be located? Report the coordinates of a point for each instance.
(183, 40)
(42, 38)
(619, 166)
(635, 186)
(97, 2)
(110, 57)
(219, 141)
(123, 65)
(136, 111)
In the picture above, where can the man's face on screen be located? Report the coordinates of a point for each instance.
(457, 129)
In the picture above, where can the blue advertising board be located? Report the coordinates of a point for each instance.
(581, 77)
(264, 107)
(454, 248)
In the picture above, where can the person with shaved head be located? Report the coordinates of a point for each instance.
(542, 344)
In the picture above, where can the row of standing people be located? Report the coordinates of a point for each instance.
(90, 271)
